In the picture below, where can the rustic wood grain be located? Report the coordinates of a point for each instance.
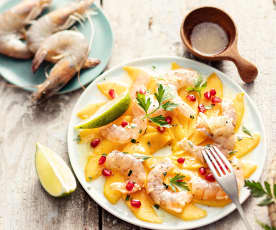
(141, 28)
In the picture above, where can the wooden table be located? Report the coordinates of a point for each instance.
(141, 28)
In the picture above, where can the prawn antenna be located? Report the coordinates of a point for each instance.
(92, 33)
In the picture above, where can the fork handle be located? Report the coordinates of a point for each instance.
(245, 221)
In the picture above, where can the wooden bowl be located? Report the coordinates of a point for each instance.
(248, 72)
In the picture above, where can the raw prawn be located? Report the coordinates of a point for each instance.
(12, 23)
(53, 22)
(128, 166)
(174, 201)
(74, 49)
(205, 190)
(195, 150)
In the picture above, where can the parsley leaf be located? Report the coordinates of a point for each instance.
(246, 131)
(162, 96)
(160, 120)
(177, 183)
(199, 86)
(141, 157)
(168, 106)
(265, 226)
(143, 102)
(257, 190)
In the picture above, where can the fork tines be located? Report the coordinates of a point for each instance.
(216, 161)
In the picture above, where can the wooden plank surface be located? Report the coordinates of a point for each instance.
(141, 28)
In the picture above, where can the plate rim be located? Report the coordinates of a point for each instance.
(98, 73)
(163, 57)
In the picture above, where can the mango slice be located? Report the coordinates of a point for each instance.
(113, 196)
(107, 146)
(175, 66)
(92, 169)
(248, 168)
(86, 135)
(146, 211)
(191, 212)
(246, 145)
(238, 104)
(105, 86)
(213, 203)
(213, 82)
(89, 110)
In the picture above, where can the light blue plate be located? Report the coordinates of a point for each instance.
(19, 72)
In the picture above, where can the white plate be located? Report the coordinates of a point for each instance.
(252, 120)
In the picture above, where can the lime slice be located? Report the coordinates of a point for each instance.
(107, 113)
(54, 175)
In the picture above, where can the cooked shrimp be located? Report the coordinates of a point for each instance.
(205, 190)
(195, 150)
(175, 80)
(119, 134)
(128, 166)
(74, 49)
(57, 20)
(220, 128)
(12, 23)
(174, 201)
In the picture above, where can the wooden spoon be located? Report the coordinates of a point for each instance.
(248, 72)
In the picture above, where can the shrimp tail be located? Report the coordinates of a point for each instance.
(38, 59)
(91, 62)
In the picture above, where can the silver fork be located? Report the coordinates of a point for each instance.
(225, 177)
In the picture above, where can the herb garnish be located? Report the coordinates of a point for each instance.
(257, 190)
(157, 206)
(163, 103)
(177, 183)
(232, 152)
(141, 157)
(127, 197)
(78, 139)
(165, 173)
(133, 141)
(246, 131)
(265, 226)
(199, 86)
(129, 172)
(166, 186)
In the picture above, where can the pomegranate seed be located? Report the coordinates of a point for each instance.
(129, 186)
(161, 129)
(106, 172)
(191, 97)
(142, 91)
(168, 119)
(94, 143)
(124, 123)
(181, 160)
(207, 95)
(213, 92)
(102, 160)
(210, 177)
(111, 93)
(216, 99)
(202, 170)
(201, 108)
(135, 203)
(179, 180)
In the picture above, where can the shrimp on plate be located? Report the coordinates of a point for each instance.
(221, 129)
(53, 22)
(206, 190)
(119, 134)
(174, 201)
(175, 80)
(124, 163)
(74, 49)
(12, 24)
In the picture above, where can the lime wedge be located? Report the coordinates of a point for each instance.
(54, 175)
(107, 113)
